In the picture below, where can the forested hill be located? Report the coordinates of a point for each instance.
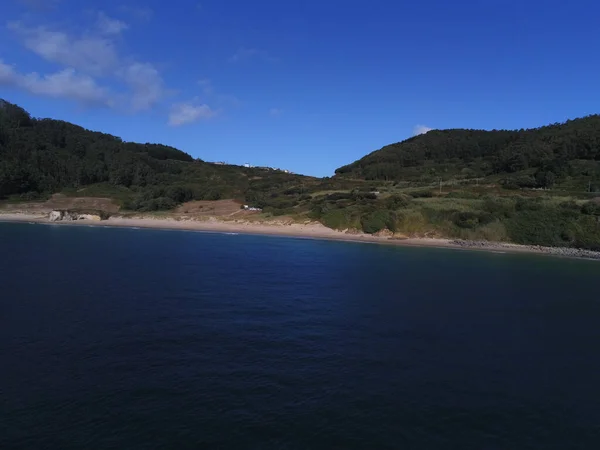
(43, 156)
(477, 153)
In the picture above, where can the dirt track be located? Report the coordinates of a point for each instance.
(216, 208)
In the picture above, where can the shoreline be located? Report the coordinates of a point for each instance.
(302, 231)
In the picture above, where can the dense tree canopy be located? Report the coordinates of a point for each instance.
(549, 150)
(44, 156)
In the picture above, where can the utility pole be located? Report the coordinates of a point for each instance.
(440, 185)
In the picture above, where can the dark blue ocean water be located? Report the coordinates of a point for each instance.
(143, 339)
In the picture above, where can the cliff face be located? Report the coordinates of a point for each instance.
(60, 215)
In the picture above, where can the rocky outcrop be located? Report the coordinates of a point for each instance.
(558, 251)
(69, 216)
(384, 233)
(55, 216)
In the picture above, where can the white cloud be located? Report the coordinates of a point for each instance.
(93, 54)
(110, 26)
(66, 83)
(275, 112)
(421, 129)
(7, 73)
(245, 54)
(184, 113)
(146, 84)
(97, 55)
(90, 60)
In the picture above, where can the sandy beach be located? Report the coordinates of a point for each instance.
(297, 230)
(309, 231)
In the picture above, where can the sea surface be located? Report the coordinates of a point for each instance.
(150, 339)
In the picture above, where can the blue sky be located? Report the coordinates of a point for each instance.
(304, 85)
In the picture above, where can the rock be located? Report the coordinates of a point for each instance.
(88, 217)
(559, 251)
(55, 216)
(68, 216)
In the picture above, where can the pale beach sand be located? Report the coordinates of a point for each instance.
(311, 230)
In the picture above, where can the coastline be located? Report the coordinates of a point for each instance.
(303, 231)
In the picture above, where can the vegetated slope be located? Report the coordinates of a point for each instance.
(528, 186)
(43, 156)
(538, 157)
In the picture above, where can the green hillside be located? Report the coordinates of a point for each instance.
(566, 154)
(44, 156)
(527, 186)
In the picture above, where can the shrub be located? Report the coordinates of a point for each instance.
(422, 194)
(338, 196)
(159, 204)
(439, 216)
(499, 207)
(570, 205)
(591, 209)
(463, 194)
(466, 219)
(179, 194)
(495, 231)
(369, 196)
(509, 185)
(293, 191)
(31, 195)
(397, 201)
(411, 222)
(552, 226)
(336, 219)
(525, 181)
(528, 204)
(376, 221)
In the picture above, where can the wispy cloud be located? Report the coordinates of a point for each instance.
(110, 26)
(7, 73)
(275, 112)
(206, 85)
(421, 129)
(94, 54)
(66, 83)
(222, 100)
(93, 70)
(186, 113)
(246, 54)
(146, 84)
